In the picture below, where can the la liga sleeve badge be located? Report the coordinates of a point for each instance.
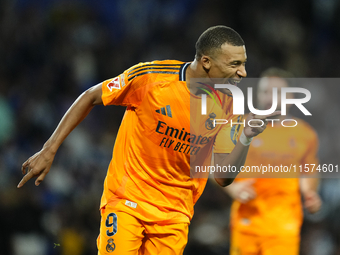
(114, 84)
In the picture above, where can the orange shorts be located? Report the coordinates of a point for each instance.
(123, 234)
(244, 244)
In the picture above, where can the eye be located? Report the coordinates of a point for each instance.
(235, 64)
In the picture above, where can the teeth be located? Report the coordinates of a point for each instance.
(233, 82)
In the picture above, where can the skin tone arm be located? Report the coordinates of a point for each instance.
(243, 191)
(312, 200)
(236, 158)
(239, 154)
(40, 163)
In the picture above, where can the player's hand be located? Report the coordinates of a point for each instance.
(37, 166)
(312, 201)
(258, 123)
(242, 191)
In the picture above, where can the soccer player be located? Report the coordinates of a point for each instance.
(266, 214)
(148, 196)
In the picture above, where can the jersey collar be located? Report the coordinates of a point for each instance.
(182, 71)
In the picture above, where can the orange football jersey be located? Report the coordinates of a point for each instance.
(162, 131)
(277, 209)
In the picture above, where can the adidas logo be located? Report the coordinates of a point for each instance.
(165, 113)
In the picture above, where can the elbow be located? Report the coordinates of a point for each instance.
(93, 95)
(224, 181)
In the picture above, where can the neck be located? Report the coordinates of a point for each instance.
(194, 70)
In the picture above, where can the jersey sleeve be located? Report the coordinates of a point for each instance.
(227, 138)
(122, 90)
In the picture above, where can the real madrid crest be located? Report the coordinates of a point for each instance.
(110, 247)
(209, 123)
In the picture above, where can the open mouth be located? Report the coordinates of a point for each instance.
(234, 81)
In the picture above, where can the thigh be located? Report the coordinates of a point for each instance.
(281, 245)
(165, 239)
(120, 233)
(243, 244)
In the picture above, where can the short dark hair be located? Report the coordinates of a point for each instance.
(276, 72)
(213, 38)
(280, 73)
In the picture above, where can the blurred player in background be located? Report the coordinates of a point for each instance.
(149, 195)
(266, 215)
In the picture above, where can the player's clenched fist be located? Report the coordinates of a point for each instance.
(256, 124)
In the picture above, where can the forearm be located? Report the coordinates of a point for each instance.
(229, 189)
(40, 163)
(312, 201)
(235, 159)
(309, 184)
(75, 114)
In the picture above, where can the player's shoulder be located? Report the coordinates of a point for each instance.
(157, 65)
(168, 62)
(145, 70)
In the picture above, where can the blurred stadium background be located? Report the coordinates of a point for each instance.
(53, 50)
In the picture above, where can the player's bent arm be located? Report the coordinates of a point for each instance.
(74, 115)
(239, 154)
(236, 158)
(40, 163)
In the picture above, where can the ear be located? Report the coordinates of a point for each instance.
(206, 62)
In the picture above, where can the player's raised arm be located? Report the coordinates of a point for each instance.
(238, 155)
(40, 163)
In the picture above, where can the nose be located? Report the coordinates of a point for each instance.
(242, 71)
